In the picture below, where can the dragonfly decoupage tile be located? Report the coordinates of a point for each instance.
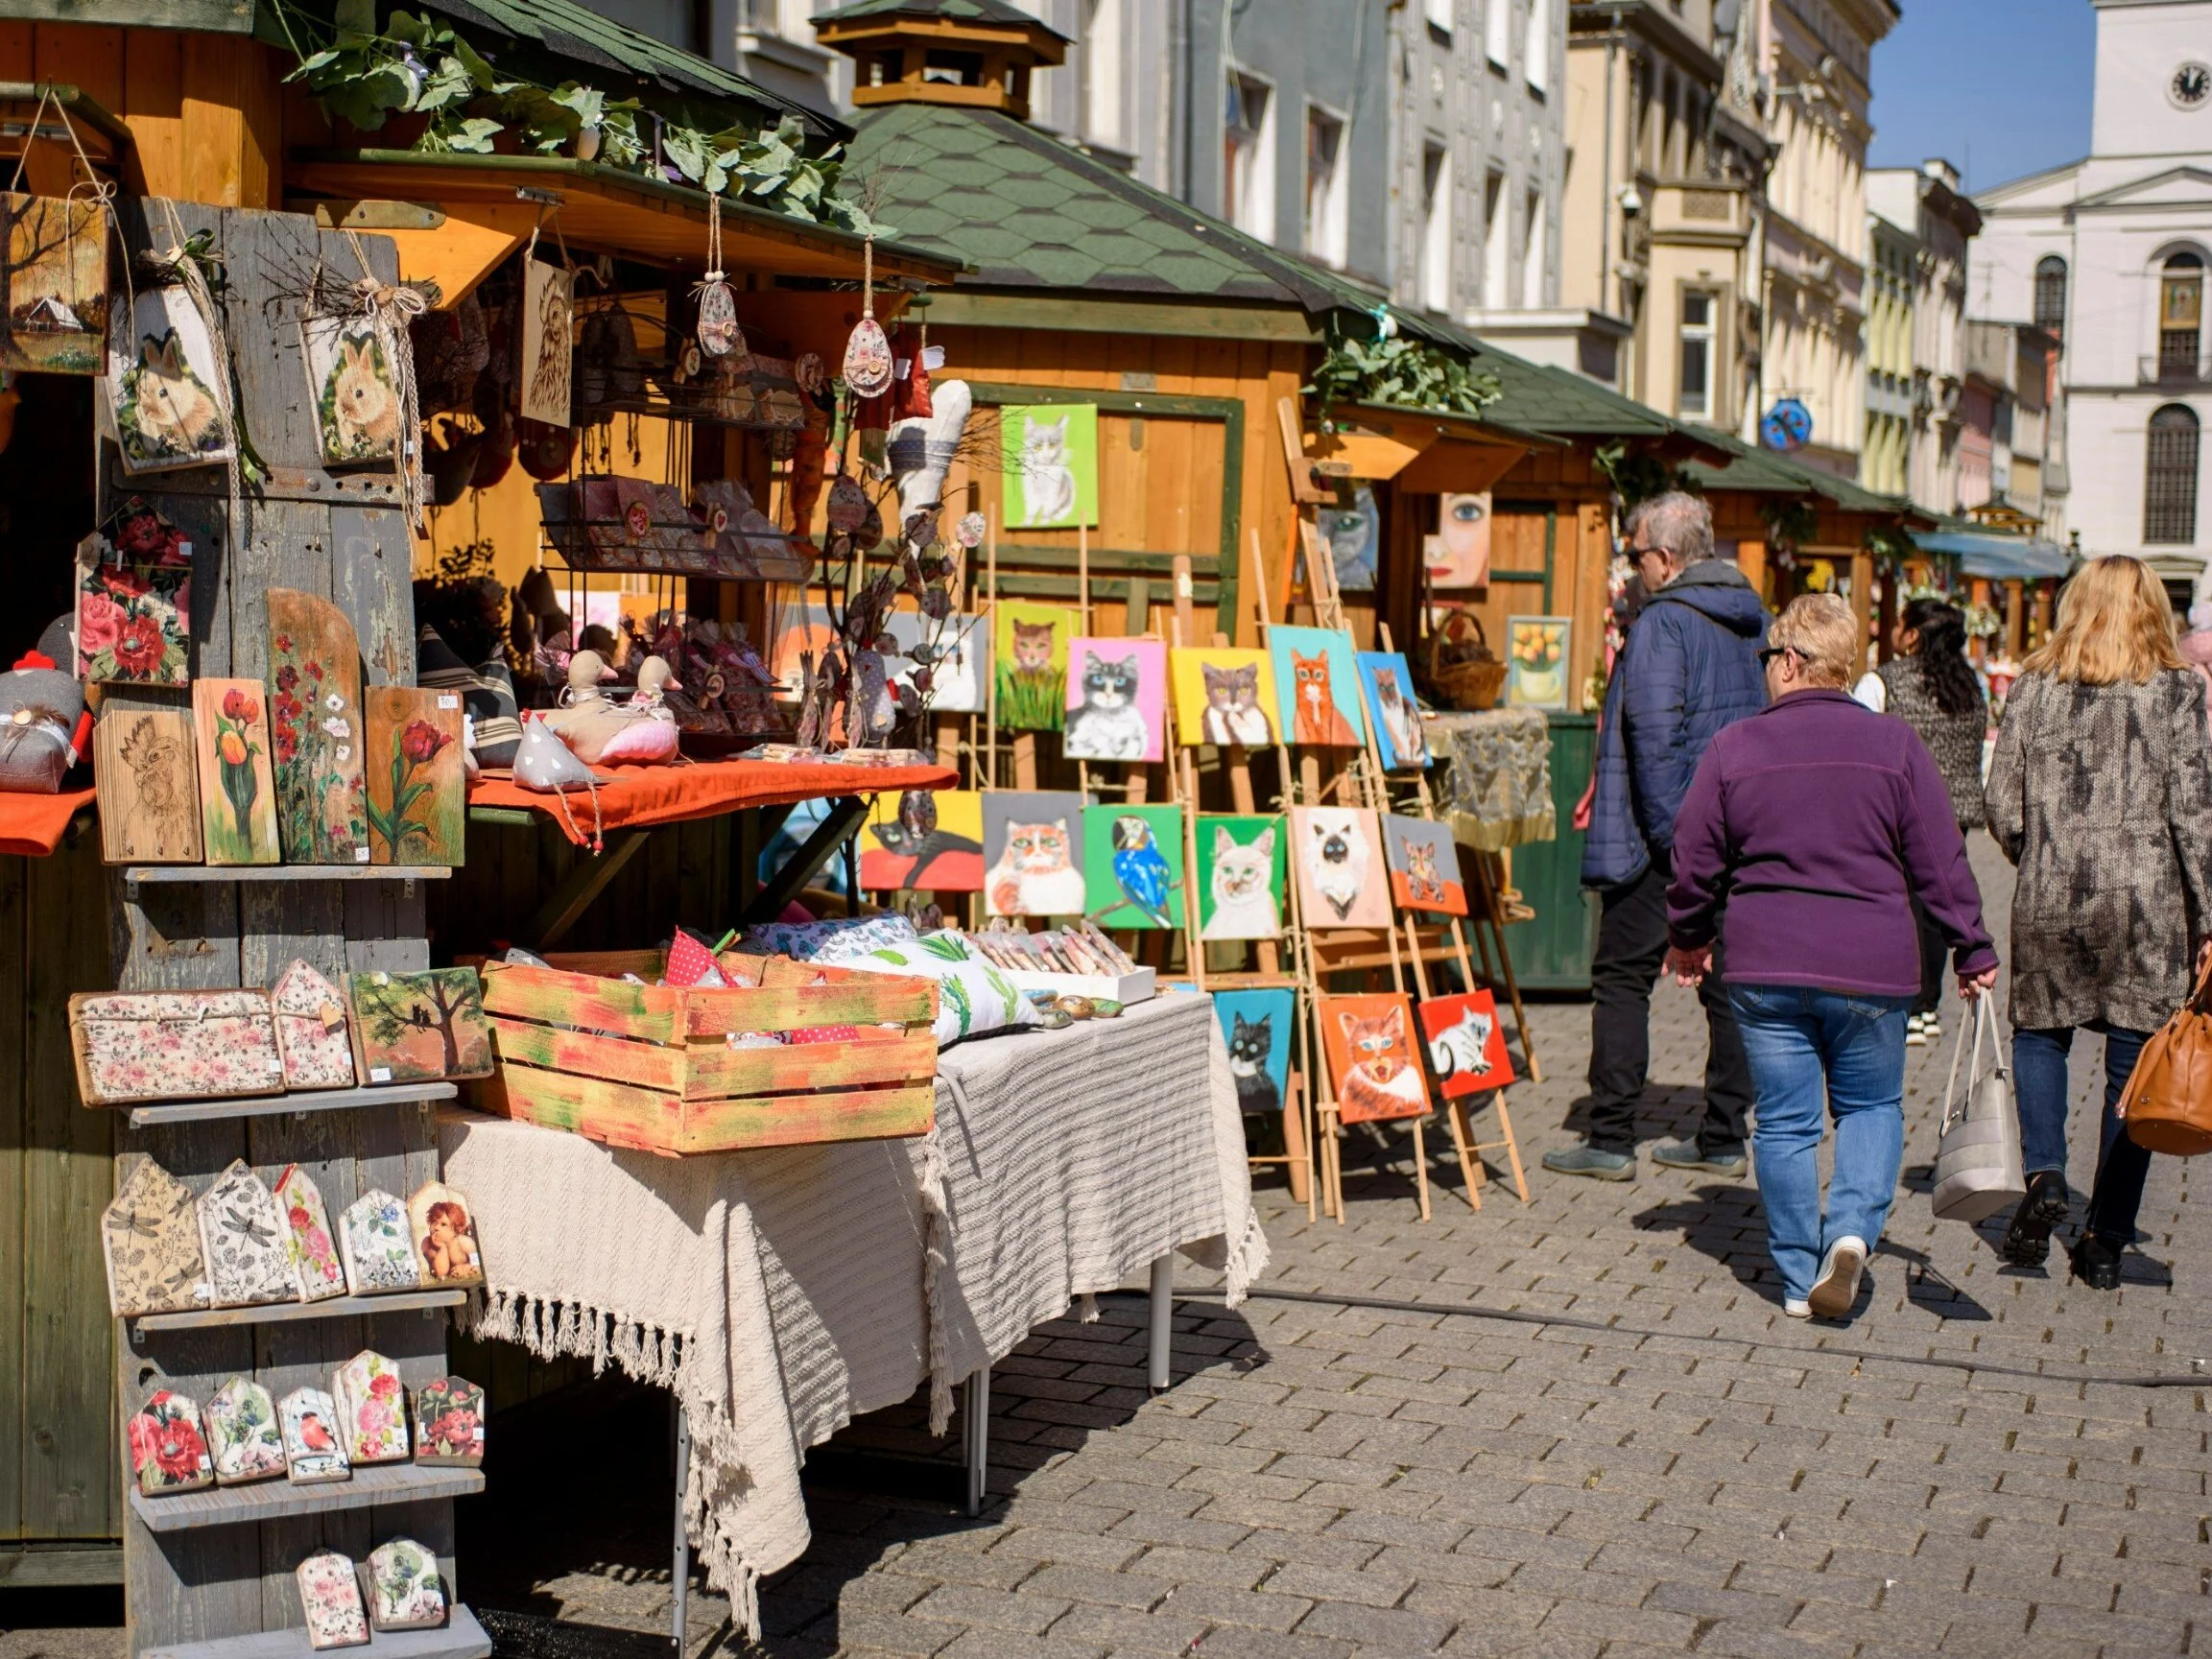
(149, 1235)
(248, 1245)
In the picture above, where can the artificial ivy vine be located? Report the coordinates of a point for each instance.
(416, 65)
(1400, 372)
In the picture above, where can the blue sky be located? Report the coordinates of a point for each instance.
(1997, 87)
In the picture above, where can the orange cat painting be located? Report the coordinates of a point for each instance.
(1371, 1058)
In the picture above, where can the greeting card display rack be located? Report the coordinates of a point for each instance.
(209, 1575)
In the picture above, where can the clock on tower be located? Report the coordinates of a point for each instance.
(2191, 86)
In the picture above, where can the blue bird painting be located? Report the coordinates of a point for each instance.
(1140, 870)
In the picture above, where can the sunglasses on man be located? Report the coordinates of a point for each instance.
(1772, 651)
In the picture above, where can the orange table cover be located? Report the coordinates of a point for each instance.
(31, 826)
(642, 796)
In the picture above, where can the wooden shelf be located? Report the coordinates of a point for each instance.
(373, 1487)
(303, 1101)
(284, 1313)
(461, 1637)
(153, 874)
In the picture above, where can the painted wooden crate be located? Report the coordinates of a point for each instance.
(652, 1067)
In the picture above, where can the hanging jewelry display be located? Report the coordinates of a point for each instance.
(868, 353)
(718, 333)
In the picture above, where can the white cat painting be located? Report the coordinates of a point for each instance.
(1241, 900)
(1047, 479)
(1050, 456)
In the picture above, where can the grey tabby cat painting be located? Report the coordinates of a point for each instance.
(1116, 694)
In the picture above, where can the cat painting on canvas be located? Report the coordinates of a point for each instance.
(1319, 686)
(1338, 868)
(1371, 1057)
(1047, 479)
(1223, 697)
(1241, 878)
(1115, 693)
(1033, 866)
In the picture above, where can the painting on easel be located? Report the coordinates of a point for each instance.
(1424, 867)
(1256, 1026)
(1342, 876)
(1241, 877)
(1134, 866)
(1466, 1044)
(1369, 1043)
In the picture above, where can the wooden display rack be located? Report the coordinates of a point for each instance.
(209, 1575)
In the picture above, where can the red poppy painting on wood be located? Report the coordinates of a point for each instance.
(417, 790)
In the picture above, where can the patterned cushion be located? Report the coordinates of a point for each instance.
(841, 939)
(973, 996)
(486, 695)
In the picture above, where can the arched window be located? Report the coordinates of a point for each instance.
(2169, 476)
(2180, 313)
(2051, 294)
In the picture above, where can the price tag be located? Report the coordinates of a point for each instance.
(360, 855)
(448, 700)
(380, 1074)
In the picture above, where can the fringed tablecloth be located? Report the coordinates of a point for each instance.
(781, 1293)
(1498, 786)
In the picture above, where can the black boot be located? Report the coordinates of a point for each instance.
(2096, 1262)
(2028, 1239)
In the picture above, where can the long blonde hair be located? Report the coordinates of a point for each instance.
(2115, 623)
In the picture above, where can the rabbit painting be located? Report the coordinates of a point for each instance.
(356, 409)
(165, 412)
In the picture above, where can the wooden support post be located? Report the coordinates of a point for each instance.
(590, 877)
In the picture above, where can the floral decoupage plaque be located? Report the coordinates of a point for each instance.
(371, 1409)
(378, 1253)
(242, 1433)
(330, 1596)
(168, 1449)
(405, 1590)
(449, 1423)
(316, 729)
(315, 1253)
(311, 1032)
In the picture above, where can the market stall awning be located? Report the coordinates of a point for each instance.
(1996, 558)
(1425, 450)
(641, 796)
(483, 207)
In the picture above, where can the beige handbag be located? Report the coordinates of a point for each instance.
(1978, 1169)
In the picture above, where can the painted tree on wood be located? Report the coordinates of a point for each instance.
(396, 1012)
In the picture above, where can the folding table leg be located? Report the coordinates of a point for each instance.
(976, 1415)
(679, 1572)
(1163, 1308)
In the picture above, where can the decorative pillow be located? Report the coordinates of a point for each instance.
(842, 940)
(487, 694)
(973, 996)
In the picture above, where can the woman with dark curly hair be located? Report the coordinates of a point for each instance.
(1931, 686)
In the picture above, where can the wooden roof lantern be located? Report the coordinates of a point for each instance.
(975, 54)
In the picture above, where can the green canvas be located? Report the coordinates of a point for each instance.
(1132, 861)
(1049, 453)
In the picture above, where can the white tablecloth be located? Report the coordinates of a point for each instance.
(780, 1294)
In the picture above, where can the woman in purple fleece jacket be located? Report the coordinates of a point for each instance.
(1815, 823)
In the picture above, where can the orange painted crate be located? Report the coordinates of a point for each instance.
(648, 1067)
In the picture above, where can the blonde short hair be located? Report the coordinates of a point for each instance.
(2115, 623)
(1820, 629)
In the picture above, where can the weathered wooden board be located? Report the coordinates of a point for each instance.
(237, 788)
(376, 1485)
(148, 788)
(418, 787)
(461, 1637)
(316, 728)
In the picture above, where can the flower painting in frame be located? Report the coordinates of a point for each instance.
(316, 730)
(237, 787)
(417, 789)
(1537, 660)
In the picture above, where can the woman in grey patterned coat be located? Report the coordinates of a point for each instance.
(2100, 792)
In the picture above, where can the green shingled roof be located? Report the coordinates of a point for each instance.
(1766, 469)
(954, 11)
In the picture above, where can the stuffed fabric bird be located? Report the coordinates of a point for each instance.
(1139, 869)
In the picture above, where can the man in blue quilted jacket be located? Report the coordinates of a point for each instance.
(1690, 667)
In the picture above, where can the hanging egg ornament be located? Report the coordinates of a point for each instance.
(848, 505)
(968, 532)
(868, 353)
(936, 603)
(809, 373)
(718, 335)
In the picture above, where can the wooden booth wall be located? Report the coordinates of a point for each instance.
(1190, 462)
(59, 1476)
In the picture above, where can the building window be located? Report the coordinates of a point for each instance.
(2051, 294)
(1247, 156)
(1695, 351)
(1438, 13)
(1533, 251)
(1326, 215)
(2169, 476)
(1497, 31)
(1102, 73)
(1537, 48)
(2180, 312)
(1495, 231)
(1435, 270)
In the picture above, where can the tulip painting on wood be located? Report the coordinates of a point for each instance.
(237, 788)
(418, 788)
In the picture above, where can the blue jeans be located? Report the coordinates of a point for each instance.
(1811, 1048)
(2039, 1086)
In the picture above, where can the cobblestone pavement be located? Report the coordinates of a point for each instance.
(1637, 1455)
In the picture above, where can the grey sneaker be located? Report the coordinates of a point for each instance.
(1687, 1155)
(1592, 1161)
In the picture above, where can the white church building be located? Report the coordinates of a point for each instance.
(2112, 253)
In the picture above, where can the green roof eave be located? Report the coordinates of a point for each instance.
(1770, 470)
(594, 172)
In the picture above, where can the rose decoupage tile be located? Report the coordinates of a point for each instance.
(173, 1046)
(310, 1035)
(312, 1452)
(378, 1254)
(149, 1235)
(168, 1446)
(330, 1596)
(449, 1423)
(242, 1433)
(248, 1245)
(405, 1589)
(315, 1254)
(371, 1409)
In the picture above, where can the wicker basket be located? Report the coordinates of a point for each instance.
(1462, 672)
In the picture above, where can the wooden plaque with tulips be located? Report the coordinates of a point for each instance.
(418, 787)
(237, 788)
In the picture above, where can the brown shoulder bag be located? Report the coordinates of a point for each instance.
(2167, 1106)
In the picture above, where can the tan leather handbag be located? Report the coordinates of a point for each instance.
(2167, 1106)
